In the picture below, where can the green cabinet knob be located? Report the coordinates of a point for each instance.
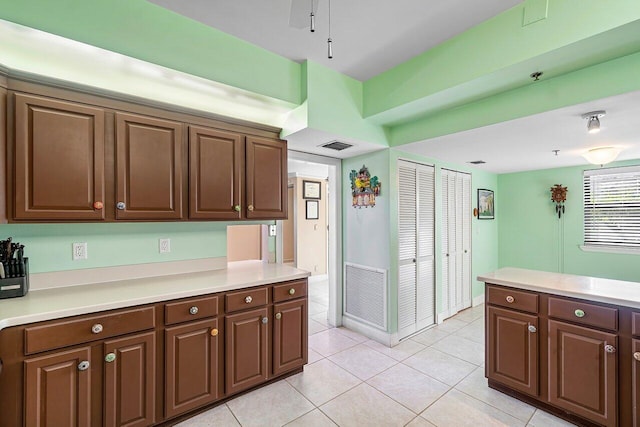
(236, 208)
(110, 357)
(579, 313)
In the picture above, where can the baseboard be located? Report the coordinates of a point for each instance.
(382, 337)
(479, 300)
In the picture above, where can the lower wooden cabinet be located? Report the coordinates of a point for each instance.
(289, 336)
(635, 381)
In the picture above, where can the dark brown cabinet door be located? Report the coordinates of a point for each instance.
(216, 160)
(583, 372)
(149, 159)
(129, 381)
(59, 160)
(512, 347)
(246, 349)
(289, 336)
(58, 389)
(635, 381)
(266, 172)
(192, 366)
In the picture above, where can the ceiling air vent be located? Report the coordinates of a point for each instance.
(478, 162)
(336, 145)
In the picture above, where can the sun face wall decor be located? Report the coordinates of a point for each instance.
(364, 188)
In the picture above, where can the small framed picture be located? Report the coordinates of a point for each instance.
(311, 190)
(312, 209)
(486, 205)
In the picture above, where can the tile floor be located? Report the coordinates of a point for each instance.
(435, 378)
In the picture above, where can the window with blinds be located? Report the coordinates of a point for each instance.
(612, 208)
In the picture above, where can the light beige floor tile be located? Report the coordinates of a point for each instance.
(330, 342)
(430, 336)
(476, 386)
(315, 327)
(321, 318)
(419, 422)
(362, 361)
(352, 334)
(409, 387)
(470, 314)
(400, 352)
(220, 416)
(544, 419)
(451, 325)
(474, 331)
(459, 410)
(272, 405)
(313, 356)
(322, 381)
(314, 418)
(441, 366)
(315, 308)
(366, 406)
(461, 348)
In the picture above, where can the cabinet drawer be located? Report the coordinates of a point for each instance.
(584, 313)
(245, 299)
(289, 290)
(635, 324)
(191, 309)
(512, 298)
(85, 329)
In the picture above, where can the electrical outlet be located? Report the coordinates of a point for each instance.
(80, 251)
(164, 246)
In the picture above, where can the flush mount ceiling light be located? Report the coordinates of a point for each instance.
(602, 155)
(593, 120)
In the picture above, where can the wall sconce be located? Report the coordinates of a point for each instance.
(602, 155)
(559, 196)
(593, 120)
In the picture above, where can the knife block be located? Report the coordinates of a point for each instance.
(12, 287)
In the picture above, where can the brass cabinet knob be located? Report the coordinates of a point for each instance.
(83, 366)
(636, 356)
(214, 332)
(97, 328)
(532, 329)
(248, 299)
(510, 299)
(110, 357)
(250, 207)
(193, 310)
(279, 316)
(292, 291)
(265, 320)
(98, 205)
(121, 206)
(609, 348)
(236, 208)
(579, 313)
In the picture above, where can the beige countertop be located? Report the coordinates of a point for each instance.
(47, 304)
(608, 291)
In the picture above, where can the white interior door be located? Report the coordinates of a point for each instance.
(466, 241)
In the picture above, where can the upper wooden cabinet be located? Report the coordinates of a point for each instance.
(149, 161)
(266, 172)
(58, 160)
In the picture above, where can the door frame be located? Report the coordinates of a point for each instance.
(334, 259)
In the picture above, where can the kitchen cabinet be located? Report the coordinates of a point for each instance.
(635, 386)
(289, 335)
(3, 150)
(266, 178)
(58, 160)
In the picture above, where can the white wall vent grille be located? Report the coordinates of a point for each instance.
(365, 294)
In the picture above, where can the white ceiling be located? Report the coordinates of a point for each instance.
(369, 36)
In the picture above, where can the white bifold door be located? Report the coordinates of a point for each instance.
(416, 247)
(456, 242)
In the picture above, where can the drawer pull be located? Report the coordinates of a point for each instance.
(636, 356)
(193, 310)
(121, 206)
(510, 299)
(214, 332)
(248, 299)
(250, 207)
(83, 366)
(236, 208)
(279, 316)
(110, 357)
(579, 313)
(609, 348)
(97, 328)
(292, 291)
(98, 205)
(265, 320)
(532, 329)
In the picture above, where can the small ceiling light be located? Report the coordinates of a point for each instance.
(593, 120)
(313, 19)
(602, 155)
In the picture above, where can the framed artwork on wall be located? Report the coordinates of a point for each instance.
(312, 210)
(486, 205)
(311, 190)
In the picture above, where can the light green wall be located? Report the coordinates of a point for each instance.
(532, 236)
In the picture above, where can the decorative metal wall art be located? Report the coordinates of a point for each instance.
(364, 188)
(559, 196)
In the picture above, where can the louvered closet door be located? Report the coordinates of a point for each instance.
(451, 249)
(445, 242)
(459, 232)
(466, 241)
(425, 289)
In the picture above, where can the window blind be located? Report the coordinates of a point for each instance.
(612, 207)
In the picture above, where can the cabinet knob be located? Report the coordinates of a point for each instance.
(609, 348)
(279, 316)
(248, 299)
(510, 299)
(636, 356)
(98, 205)
(579, 313)
(465, 251)
(110, 357)
(193, 310)
(236, 208)
(121, 206)
(97, 328)
(292, 291)
(532, 329)
(250, 207)
(265, 320)
(83, 366)
(214, 332)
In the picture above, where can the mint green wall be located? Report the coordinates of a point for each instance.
(532, 236)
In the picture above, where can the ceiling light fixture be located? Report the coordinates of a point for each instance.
(329, 47)
(593, 120)
(601, 155)
(313, 19)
